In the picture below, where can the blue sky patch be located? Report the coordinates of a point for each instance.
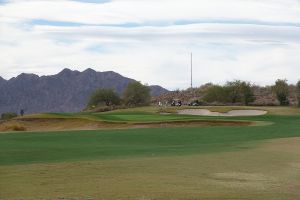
(162, 23)
(3, 1)
(54, 23)
(96, 48)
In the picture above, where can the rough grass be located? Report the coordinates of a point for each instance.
(13, 127)
(270, 171)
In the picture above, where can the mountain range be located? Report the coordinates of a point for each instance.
(67, 91)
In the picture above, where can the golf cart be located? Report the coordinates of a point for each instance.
(176, 102)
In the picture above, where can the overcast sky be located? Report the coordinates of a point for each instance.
(150, 40)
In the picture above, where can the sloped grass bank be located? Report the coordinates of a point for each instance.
(117, 119)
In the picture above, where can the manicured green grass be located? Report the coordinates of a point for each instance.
(25, 148)
(127, 116)
(239, 162)
(120, 116)
(142, 117)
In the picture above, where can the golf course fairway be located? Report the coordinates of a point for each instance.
(260, 161)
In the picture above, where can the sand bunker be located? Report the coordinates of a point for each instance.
(232, 113)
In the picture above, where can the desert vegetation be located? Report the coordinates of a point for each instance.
(7, 116)
(104, 97)
(135, 95)
(281, 89)
(237, 92)
(232, 92)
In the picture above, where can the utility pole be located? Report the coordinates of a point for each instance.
(191, 70)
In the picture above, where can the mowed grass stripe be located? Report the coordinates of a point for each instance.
(26, 148)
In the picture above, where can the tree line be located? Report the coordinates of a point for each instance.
(233, 92)
(242, 92)
(135, 94)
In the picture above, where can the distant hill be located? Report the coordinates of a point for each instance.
(67, 91)
(2, 81)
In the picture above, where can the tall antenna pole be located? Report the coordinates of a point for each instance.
(191, 70)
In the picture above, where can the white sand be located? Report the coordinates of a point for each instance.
(232, 113)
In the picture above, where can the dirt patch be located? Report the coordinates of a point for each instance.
(244, 180)
(60, 124)
(232, 113)
(240, 177)
(286, 145)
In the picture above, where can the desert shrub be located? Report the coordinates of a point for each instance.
(239, 92)
(215, 93)
(235, 92)
(137, 94)
(281, 89)
(103, 97)
(7, 116)
(247, 93)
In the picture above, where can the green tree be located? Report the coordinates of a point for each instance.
(247, 93)
(234, 91)
(102, 97)
(215, 93)
(137, 94)
(281, 89)
(298, 93)
(240, 91)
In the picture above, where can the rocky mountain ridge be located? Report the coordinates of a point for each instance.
(67, 91)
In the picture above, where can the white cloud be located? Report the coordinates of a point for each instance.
(124, 11)
(259, 41)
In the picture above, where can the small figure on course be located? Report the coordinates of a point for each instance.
(22, 112)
